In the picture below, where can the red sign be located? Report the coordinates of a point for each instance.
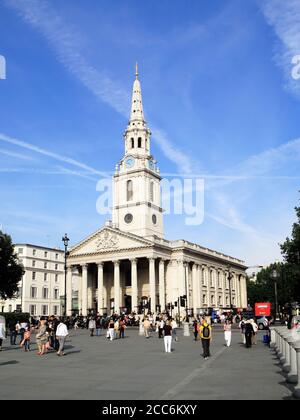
(263, 309)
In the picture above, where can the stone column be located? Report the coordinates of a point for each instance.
(117, 286)
(162, 287)
(195, 279)
(100, 289)
(69, 292)
(292, 376)
(200, 293)
(152, 283)
(187, 284)
(84, 289)
(134, 286)
(296, 392)
(243, 292)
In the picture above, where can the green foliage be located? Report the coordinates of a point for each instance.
(288, 280)
(11, 271)
(15, 316)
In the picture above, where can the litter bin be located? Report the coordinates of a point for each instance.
(266, 339)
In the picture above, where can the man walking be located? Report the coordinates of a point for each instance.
(61, 333)
(205, 335)
(167, 336)
(248, 333)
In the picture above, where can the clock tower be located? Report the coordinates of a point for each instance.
(136, 183)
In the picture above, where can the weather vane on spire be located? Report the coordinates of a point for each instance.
(136, 70)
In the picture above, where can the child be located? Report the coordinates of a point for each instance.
(26, 339)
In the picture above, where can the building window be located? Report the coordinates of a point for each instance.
(19, 292)
(129, 190)
(19, 308)
(34, 252)
(33, 292)
(56, 266)
(132, 142)
(219, 280)
(44, 309)
(203, 277)
(21, 260)
(204, 299)
(45, 292)
(20, 250)
(56, 278)
(211, 278)
(151, 191)
(219, 300)
(56, 294)
(45, 276)
(55, 310)
(33, 275)
(56, 256)
(227, 300)
(212, 299)
(45, 265)
(9, 308)
(140, 142)
(45, 254)
(32, 310)
(33, 263)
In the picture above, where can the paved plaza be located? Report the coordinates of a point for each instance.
(137, 368)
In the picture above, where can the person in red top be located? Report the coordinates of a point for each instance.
(122, 327)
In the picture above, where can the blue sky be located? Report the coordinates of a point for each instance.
(217, 93)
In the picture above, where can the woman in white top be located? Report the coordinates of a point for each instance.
(227, 333)
(61, 334)
(255, 329)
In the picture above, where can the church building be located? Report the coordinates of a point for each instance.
(128, 265)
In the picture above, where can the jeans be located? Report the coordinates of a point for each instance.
(168, 342)
(205, 345)
(98, 331)
(122, 333)
(13, 336)
(61, 340)
(26, 345)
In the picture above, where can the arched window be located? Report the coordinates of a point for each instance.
(129, 190)
(132, 142)
(140, 142)
(151, 191)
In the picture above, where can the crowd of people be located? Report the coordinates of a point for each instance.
(51, 332)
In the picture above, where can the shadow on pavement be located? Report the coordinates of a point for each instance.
(10, 362)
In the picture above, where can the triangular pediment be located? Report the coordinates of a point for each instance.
(107, 240)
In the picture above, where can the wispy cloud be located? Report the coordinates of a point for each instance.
(56, 156)
(284, 17)
(65, 42)
(15, 155)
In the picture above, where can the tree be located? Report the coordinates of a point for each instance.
(290, 249)
(11, 271)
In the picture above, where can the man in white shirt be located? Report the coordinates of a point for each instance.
(61, 334)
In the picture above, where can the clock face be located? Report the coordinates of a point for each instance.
(128, 218)
(151, 164)
(129, 162)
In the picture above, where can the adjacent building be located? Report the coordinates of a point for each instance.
(128, 264)
(41, 291)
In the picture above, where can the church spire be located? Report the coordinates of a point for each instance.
(137, 114)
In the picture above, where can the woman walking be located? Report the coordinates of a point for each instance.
(168, 336)
(61, 334)
(41, 337)
(2, 331)
(227, 333)
(92, 326)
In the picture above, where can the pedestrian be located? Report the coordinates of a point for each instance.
(61, 334)
(227, 333)
(18, 328)
(242, 328)
(111, 329)
(26, 339)
(122, 327)
(195, 325)
(2, 331)
(146, 327)
(41, 337)
(255, 330)
(205, 335)
(167, 336)
(98, 326)
(248, 333)
(13, 332)
(160, 325)
(174, 329)
(116, 328)
(92, 326)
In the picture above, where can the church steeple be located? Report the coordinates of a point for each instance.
(137, 135)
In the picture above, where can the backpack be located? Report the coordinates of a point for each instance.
(205, 332)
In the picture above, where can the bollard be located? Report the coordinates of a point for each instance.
(186, 329)
(287, 365)
(292, 376)
(296, 392)
(276, 342)
(273, 338)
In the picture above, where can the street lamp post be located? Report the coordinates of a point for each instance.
(230, 275)
(274, 276)
(65, 240)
